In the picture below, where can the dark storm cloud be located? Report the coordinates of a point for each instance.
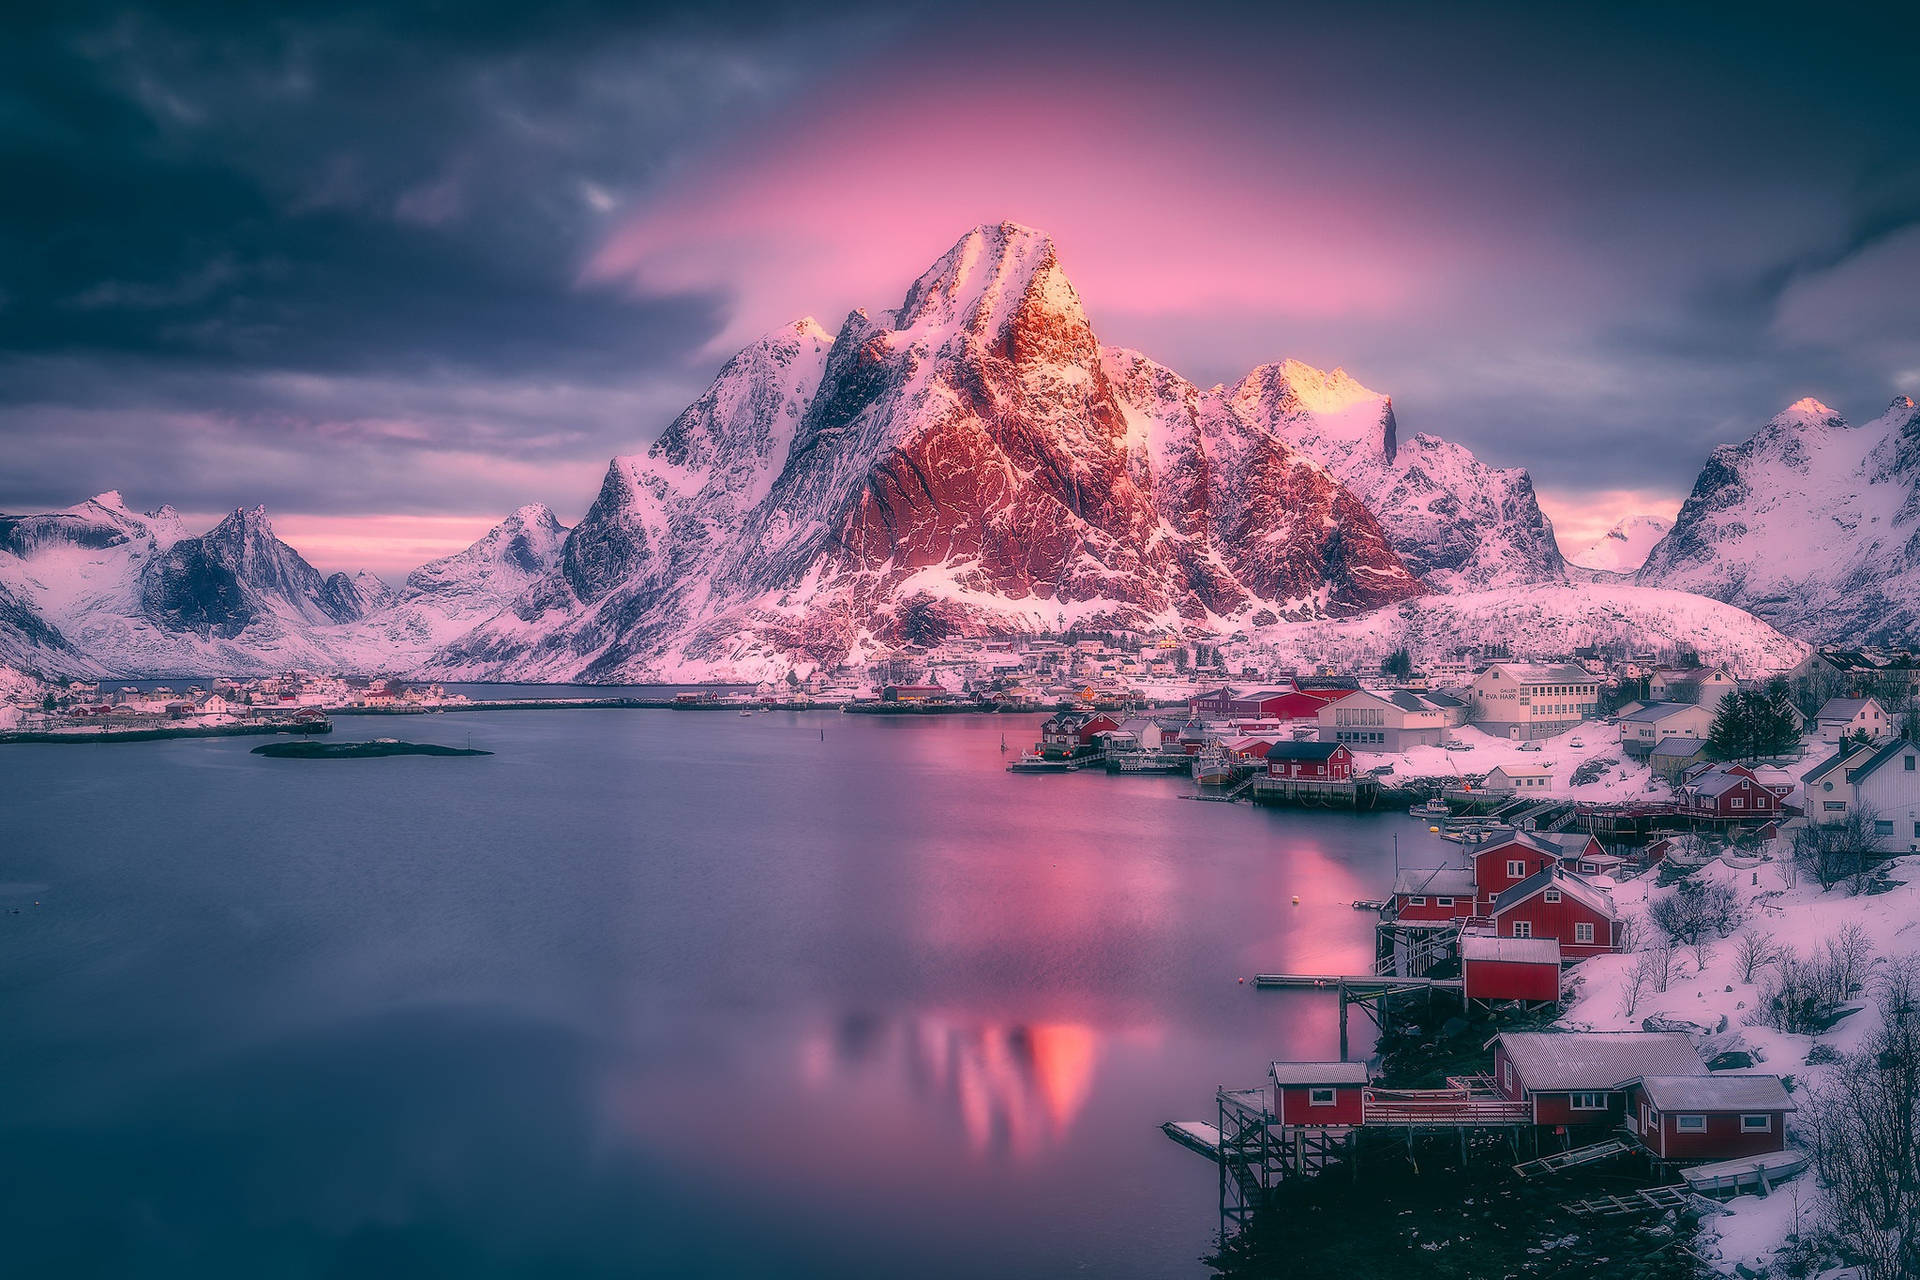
(392, 201)
(334, 257)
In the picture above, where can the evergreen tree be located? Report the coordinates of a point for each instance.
(1730, 735)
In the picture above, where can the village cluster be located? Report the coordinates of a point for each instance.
(295, 698)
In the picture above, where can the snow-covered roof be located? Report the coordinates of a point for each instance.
(1656, 711)
(1546, 672)
(1487, 946)
(1842, 708)
(1454, 882)
(1717, 1093)
(1555, 877)
(1717, 780)
(1850, 751)
(1550, 1061)
(1318, 1073)
(1679, 746)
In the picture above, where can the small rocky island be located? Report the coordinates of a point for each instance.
(310, 750)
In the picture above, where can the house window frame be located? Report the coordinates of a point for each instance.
(1692, 1123)
(1583, 933)
(1551, 895)
(1764, 1117)
(1443, 902)
(1314, 1098)
(1522, 929)
(1516, 869)
(1417, 900)
(1588, 1100)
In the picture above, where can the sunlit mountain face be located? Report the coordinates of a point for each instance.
(397, 273)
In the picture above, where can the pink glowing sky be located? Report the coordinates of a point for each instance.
(394, 281)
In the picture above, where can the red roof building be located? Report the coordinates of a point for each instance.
(1557, 904)
(1495, 968)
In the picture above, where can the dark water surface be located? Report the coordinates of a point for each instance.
(643, 993)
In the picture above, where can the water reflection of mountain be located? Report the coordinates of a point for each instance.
(1013, 1088)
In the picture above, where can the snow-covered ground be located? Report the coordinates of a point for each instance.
(1541, 619)
(1627, 779)
(1798, 915)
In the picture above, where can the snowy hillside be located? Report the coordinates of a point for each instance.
(1537, 620)
(1812, 524)
(1623, 548)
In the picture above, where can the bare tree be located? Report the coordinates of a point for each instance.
(1697, 911)
(1755, 951)
(1635, 986)
(1862, 1123)
(1850, 951)
(1659, 961)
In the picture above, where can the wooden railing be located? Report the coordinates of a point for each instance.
(1441, 1107)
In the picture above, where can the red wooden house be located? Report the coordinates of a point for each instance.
(1505, 861)
(1285, 702)
(1555, 903)
(1729, 791)
(1310, 761)
(1495, 968)
(1580, 1078)
(1702, 1117)
(1437, 894)
(1319, 1093)
(1069, 735)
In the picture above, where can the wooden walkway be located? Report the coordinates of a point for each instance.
(1368, 983)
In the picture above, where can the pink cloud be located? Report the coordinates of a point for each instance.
(1162, 204)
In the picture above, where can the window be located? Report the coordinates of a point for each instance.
(1589, 1102)
(1589, 867)
(1506, 1074)
(1417, 900)
(1756, 1124)
(1319, 1097)
(1522, 929)
(1909, 763)
(1883, 827)
(1690, 1124)
(1447, 902)
(1832, 806)
(1517, 870)
(1583, 933)
(1553, 895)
(1738, 803)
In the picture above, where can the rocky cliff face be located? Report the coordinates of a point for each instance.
(237, 574)
(960, 465)
(1459, 524)
(1811, 523)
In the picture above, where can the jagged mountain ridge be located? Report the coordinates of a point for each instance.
(958, 466)
(1811, 524)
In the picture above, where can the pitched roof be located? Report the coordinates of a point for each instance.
(1717, 1093)
(1310, 1073)
(1515, 836)
(1546, 672)
(1446, 882)
(1656, 711)
(1303, 750)
(1841, 708)
(1834, 761)
(1550, 1061)
(1487, 946)
(1555, 877)
(1679, 746)
(1868, 767)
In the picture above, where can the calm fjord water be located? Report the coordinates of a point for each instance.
(642, 993)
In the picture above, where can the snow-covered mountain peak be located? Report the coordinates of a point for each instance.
(1324, 411)
(992, 274)
(1623, 548)
(111, 500)
(1808, 412)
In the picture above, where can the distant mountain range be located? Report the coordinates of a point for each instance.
(1619, 552)
(971, 463)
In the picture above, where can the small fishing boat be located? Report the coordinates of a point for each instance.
(746, 713)
(1030, 762)
(1368, 904)
(1433, 808)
